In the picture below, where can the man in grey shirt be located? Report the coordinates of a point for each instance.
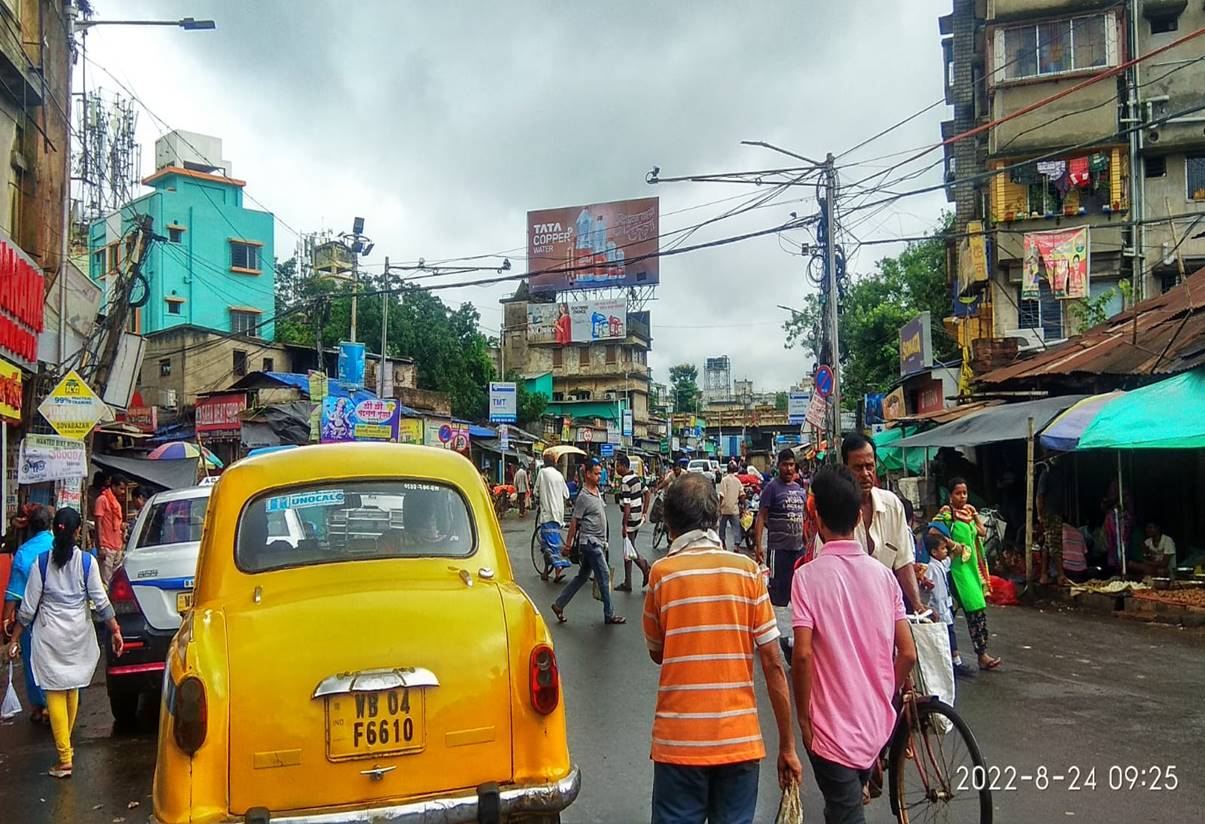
(589, 529)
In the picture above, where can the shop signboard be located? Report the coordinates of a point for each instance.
(146, 418)
(72, 408)
(594, 246)
(893, 405)
(628, 423)
(351, 364)
(797, 407)
(916, 345)
(606, 450)
(219, 413)
(663, 447)
(410, 430)
(504, 437)
(504, 402)
(22, 298)
(369, 420)
(43, 458)
(613, 436)
(10, 392)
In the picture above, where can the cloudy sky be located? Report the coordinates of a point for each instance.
(443, 123)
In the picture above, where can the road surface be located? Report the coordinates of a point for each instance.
(1076, 690)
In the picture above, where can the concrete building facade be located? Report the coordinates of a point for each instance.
(214, 263)
(1139, 195)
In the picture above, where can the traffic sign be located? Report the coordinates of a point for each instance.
(587, 434)
(72, 408)
(607, 450)
(824, 380)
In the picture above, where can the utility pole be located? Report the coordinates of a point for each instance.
(830, 264)
(356, 241)
(384, 329)
(319, 310)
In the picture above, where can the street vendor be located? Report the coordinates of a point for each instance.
(1159, 553)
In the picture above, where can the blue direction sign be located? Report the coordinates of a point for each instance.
(607, 450)
(824, 380)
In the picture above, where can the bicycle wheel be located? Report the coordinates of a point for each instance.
(658, 534)
(937, 771)
(539, 558)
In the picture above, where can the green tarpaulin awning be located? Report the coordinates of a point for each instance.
(891, 458)
(1164, 415)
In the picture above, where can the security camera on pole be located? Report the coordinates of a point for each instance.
(359, 245)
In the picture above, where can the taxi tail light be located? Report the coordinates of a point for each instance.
(121, 594)
(190, 715)
(545, 680)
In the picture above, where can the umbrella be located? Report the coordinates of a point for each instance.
(183, 449)
(1064, 431)
(1163, 415)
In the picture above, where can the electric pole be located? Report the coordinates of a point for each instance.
(830, 264)
(385, 297)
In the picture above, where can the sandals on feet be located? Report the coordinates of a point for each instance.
(615, 619)
(59, 771)
(559, 613)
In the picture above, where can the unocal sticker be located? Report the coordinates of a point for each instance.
(302, 500)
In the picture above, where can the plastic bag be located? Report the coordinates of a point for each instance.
(594, 590)
(790, 809)
(12, 704)
(934, 671)
(629, 551)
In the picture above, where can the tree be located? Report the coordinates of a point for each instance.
(875, 308)
(684, 383)
(450, 353)
(780, 401)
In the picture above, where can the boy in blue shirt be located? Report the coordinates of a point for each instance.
(936, 589)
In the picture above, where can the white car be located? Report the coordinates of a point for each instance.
(154, 586)
(706, 465)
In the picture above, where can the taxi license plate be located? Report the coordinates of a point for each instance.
(183, 601)
(362, 724)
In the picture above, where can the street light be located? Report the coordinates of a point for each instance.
(359, 245)
(81, 25)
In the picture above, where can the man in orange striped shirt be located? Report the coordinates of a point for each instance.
(706, 613)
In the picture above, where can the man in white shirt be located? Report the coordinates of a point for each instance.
(522, 489)
(553, 492)
(882, 529)
(1159, 551)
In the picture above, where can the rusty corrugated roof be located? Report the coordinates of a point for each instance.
(1170, 339)
(953, 413)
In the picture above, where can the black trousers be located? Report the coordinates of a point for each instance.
(841, 787)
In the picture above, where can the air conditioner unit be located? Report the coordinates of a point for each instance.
(1030, 338)
(609, 395)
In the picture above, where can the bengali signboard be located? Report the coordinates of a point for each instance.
(410, 430)
(583, 321)
(817, 410)
(22, 298)
(369, 420)
(219, 413)
(1062, 255)
(797, 407)
(44, 458)
(916, 345)
(10, 392)
(146, 418)
(586, 247)
(72, 408)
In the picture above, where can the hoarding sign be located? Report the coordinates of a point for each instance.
(369, 420)
(410, 430)
(1063, 255)
(22, 297)
(972, 260)
(351, 364)
(627, 423)
(797, 407)
(607, 450)
(587, 247)
(72, 408)
(580, 322)
(504, 402)
(10, 392)
(50, 458)
(817, 411)
(219, 413)
(318, 387)
(916, 345)
(146, 418)
(893, 405)
(504, 437)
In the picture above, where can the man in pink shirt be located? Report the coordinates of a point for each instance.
(853, 650)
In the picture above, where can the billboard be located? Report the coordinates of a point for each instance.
(504, 402)
(578, 322)
(370, 420)
(1063, 255)
(586, 247)
(916, 345)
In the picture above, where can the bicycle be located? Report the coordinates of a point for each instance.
(935, 769)
(993, 543)
(540, 559)
(657, 517)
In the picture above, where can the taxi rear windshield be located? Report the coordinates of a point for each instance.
(363, 520)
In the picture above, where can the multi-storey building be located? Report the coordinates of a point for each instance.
(1118, 155)
(213, 266)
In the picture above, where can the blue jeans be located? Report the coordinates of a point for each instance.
(552, 544)
(841, 787)
(726, 794)
(593, 561)
(733, 521)
(36, 699)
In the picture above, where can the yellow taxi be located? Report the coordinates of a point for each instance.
(358, 650)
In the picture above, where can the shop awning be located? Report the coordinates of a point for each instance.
(994, 424)
(891, 457)
(1164, 415)
(491, 445)
(163, 474)
(1064, 431)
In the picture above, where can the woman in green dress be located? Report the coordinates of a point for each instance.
(968, 568)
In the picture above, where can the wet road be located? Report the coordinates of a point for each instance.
(1076, 691)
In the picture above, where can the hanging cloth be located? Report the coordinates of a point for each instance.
(1098, 162)
(1078, 173)
(1052, 169)
(1025, 175)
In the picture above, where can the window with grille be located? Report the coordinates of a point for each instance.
(269, 365)
(1054, 47)
(1045, 313)
(175, 234)
(583, 356)
(612, 353)
(1155, 166)
(244, 256)
(244, 323)
(165, 368)
(558, 357)
(173, 306)
(1195, 172)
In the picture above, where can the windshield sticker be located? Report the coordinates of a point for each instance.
(303, 500)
